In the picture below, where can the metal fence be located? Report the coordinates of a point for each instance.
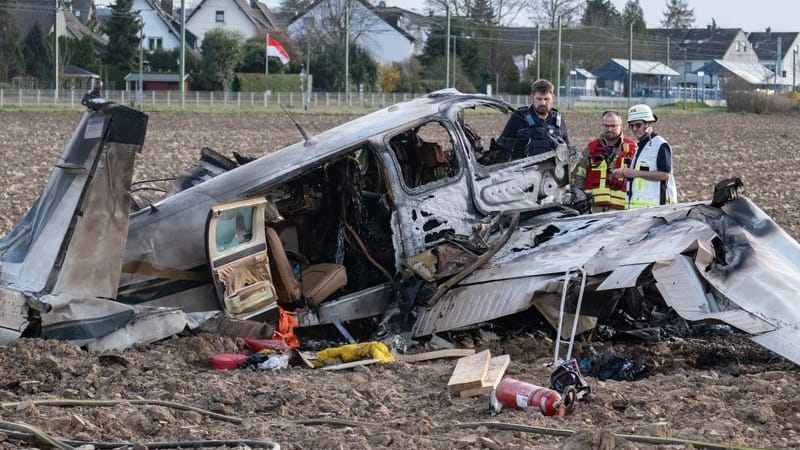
(318, 101)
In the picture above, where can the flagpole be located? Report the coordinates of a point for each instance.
(266, 57)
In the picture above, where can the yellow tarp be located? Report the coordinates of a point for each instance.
(356, 352)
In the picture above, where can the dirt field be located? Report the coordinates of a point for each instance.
(719, 389)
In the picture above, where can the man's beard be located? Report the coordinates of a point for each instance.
(542, 110)
(612, 137)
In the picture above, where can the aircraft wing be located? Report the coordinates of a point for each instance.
(732, 264)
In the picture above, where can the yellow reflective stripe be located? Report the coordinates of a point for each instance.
(636, 203)
(581, 172)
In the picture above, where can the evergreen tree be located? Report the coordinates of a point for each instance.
(10, 55)
(293, 6)
(223, 52)
(327, 67)
(78, 52)
(123, 29)
(38, 62)
(633, 14)
(678, 14)
(481, 11)
(601, 13)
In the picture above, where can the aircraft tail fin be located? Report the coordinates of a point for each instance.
(73, 238)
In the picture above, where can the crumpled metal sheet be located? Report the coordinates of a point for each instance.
(732, 264)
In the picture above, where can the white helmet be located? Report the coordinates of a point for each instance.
(641, 112)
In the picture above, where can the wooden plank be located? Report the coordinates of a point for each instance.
(497, 368)
(470, 372)
(351, 364)
(436, 354)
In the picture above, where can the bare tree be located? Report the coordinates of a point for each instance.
(547, 12)
(505, 11)
(329, 21)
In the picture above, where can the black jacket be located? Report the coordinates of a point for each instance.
(526, 134)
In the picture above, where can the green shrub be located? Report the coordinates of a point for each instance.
(259, 82)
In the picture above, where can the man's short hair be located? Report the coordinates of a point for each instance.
(542, 87)
(612, 113)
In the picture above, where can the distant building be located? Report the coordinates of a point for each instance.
(778, 52)
(689, 49)
(649, 78)
(251, 19)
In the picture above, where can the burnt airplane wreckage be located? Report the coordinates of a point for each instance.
(406, 215)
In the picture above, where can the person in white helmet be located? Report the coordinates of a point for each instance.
(650, 179)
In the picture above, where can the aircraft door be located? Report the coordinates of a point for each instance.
(237, 255)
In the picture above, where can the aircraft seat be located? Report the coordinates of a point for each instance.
(316, 282)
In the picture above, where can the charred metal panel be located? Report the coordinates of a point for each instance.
(623, 277)
(13, 315)
(100, 232)
(359, 305)
(428, 217)
(469, 305)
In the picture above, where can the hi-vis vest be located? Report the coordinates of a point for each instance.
(608, 191)
(646, 193)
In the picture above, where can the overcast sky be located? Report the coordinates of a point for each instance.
(750, 15)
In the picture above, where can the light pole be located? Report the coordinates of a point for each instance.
(183, 53)
(447, 47)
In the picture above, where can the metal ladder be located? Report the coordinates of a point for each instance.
(567, 278)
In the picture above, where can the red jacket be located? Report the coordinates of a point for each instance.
(608, 191)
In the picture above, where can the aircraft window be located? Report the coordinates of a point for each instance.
(482, 126)
(425, 153)
(234, 227)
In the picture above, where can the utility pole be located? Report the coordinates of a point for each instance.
(266, 57)
(55, 32)
(667, 90)
(347, 50)
(140, 88)
(685, 63)
(630, 65)
(183, 53)
(558, 66)
(447, 47)
(538, 52)
(778, 62)
(454, 62)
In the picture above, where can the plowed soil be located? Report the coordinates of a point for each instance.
(720, 389)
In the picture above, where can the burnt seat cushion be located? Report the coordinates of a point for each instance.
(320, 281)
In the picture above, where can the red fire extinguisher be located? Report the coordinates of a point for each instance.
(511, 393)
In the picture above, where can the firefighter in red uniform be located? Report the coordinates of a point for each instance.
(601, 156)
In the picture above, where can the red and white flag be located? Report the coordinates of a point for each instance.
(274, 48)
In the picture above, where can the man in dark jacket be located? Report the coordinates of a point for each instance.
(537, 128)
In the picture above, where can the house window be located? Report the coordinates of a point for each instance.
(155, 43)
(220, 15)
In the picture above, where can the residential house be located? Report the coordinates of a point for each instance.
(649, 78)
(741, 75)
(689, 49)
(581, 82)
(43, 12)
(83, 10)
(778, 49)
(252, 19)
(160, 30)
(387, 34)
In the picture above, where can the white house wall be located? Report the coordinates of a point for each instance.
(381, 41)
(154, 26)
(204, 20)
